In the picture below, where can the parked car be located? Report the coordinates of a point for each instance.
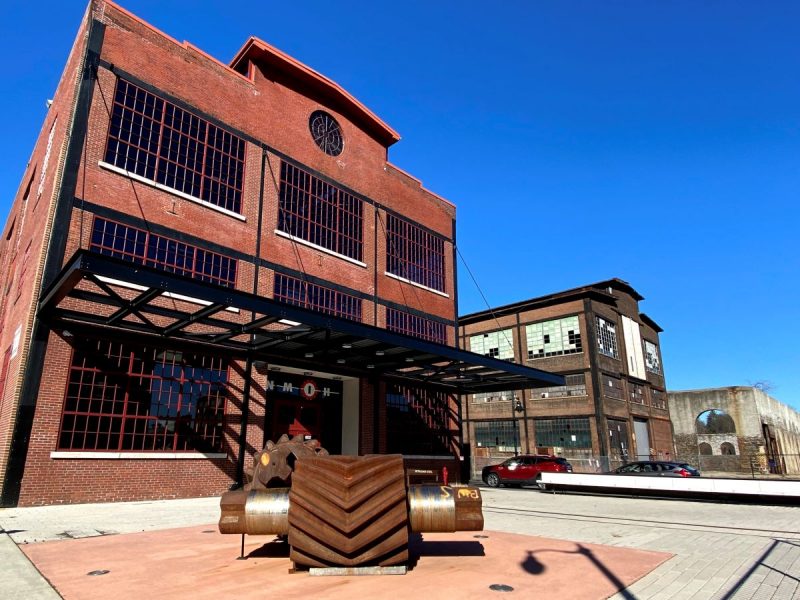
(657, 468)
(525, 469)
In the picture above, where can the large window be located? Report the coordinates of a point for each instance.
(320, 213)
(418, 422)
(612, 387)
(166, 144)
(489, 397)
(564, 433)
(496, 344)
(416, 326)
(414, 253)
(501, 435)
(316, 297)
(659, 399)
(554, 338)
(636, 392)
(144, 248)
(128, 397)
(607, 338)
(575, 385)
(651, 360)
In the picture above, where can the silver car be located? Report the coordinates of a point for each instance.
(652, 468)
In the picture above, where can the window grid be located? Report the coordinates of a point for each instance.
(659, 399)
(413, 325)
(651, 360)
(496, 344)
(636, 392)
(607, 338)
(318, 212)
(574, 385)
(316, 297)
(124, 397)
(165, 254)
(166, 144)
(554, 338)
(560, 433)
(413, 253)
(612, 387)
(489, 397)
(502, 435)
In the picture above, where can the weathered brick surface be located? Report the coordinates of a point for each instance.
(272, 111)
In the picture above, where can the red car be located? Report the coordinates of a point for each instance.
(523, 470)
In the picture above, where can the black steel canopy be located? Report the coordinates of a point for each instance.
(100, 292)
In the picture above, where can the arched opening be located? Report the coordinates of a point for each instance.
(714, 421)
(705, 449)
(727, 449)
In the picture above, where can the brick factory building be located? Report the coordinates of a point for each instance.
(202, 257)
(613, 406)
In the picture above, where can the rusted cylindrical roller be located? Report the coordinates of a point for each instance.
(348, 511)
(441, 508)
(255, 512)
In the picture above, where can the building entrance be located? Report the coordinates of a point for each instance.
(304, 405)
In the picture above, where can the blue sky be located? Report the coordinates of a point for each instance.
(657, 142)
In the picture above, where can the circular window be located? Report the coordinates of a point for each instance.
(326, 133)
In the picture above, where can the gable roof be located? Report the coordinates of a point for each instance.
(280, 63)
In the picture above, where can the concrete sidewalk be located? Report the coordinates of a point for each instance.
(723, 551)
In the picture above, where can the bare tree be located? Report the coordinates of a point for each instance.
(763, 385)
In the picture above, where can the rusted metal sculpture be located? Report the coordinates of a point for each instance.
(349, 511)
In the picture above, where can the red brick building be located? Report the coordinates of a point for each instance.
(612, 406)
(205, 256)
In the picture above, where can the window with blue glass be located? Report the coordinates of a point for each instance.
(414, 253)
(145, 248)
(124, 396)
(157, 140)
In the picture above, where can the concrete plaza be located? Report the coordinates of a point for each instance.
(722, 551)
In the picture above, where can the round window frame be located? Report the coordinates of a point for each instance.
(323, 142)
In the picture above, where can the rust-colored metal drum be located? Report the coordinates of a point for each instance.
(441, 508)
(255, 512)
(348, 511)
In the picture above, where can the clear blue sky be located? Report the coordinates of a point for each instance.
(658, 142)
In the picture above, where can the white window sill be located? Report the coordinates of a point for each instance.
(415, 284)
(303, 242)
(141, 288)
(139, 455)
(170, 190)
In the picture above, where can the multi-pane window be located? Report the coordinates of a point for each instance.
(316, 297)
(414, 253)
(320, 213)
(575, 385)
(496, 344)
(418, 422)
(171, 146)
(554, 338)
(489, 397)
(501, 435)
(612, 387)
(416, 326)
(145, 248)
(129, 397)
(564, 433)
(659, 399)
(637, 392)
(607, 338)
(651, 360)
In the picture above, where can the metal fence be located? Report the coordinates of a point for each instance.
(755, 466)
